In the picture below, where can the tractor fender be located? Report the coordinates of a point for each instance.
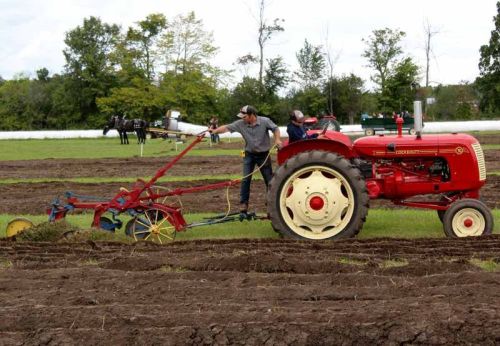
(343, 148)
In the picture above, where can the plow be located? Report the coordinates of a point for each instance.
(321, 189)
(155, 211)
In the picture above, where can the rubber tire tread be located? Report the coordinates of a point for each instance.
(330, 160)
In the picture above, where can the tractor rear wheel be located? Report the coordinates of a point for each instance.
(317, 195)
(467, 218)
(441, 215)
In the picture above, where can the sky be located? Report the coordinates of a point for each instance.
(32, 31)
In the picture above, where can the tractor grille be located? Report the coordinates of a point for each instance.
(480, 160)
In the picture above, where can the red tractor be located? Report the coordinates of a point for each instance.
(322, 188)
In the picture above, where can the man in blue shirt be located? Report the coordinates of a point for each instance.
(295, 128)
(255, 131)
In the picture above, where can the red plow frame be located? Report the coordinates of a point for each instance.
(150, 218)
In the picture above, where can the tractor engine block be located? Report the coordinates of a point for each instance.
(393, 178)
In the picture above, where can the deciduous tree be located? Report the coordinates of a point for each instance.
(88, 63)
(265, 32)
(382, 51)
(311, 66)
(488, 82)
(142, 43)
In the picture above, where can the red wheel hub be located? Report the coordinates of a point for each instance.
(316, 203)
(468, 223)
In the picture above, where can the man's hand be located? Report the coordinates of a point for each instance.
(278, 144)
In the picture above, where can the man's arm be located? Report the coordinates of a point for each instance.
(277, 138)
(220, 129)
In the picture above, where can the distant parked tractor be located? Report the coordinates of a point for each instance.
(322, 188)
(372, 125)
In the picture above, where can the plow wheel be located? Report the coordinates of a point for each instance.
(17, 225)
(317, 195)
(154, 225)
(467, 218)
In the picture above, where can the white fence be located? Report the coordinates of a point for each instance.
(429, 127)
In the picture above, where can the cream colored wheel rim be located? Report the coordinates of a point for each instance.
(468, 222)
(153, 226)
(317, 202)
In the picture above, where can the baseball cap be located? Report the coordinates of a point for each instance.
(246, 110)
(298, 116)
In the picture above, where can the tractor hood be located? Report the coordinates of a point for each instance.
(407, 146)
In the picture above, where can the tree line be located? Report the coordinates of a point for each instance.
(160, 64)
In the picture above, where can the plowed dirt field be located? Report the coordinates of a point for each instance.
(251, 292)
(268, 292)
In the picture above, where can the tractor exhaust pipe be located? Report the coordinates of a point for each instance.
(417, 117)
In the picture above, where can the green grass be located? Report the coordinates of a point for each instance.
(489, 265)
(89, 180)
(393, 263)
(380, 223)
(490, 146)
(84, 148)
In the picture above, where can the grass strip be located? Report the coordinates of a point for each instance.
(490, 146)
(380, 223)
(88, 148)
(90, 180)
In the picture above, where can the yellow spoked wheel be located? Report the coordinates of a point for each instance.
(153, 225)
(18, 225)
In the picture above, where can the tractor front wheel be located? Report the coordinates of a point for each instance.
(467, 218)
(369, 132)
(317, 195)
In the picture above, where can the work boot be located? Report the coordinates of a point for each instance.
(243, 208)
(243, 211)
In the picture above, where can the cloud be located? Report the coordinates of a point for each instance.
(32, 32)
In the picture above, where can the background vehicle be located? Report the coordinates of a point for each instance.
(322, 188)
(328, 121)
(166, 126)
(372, 125)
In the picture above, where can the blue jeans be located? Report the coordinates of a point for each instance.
(214, 138)
(250, 161)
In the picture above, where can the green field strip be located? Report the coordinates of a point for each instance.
(94, 148)
(91, 180)
(490, 146)
(379, 223)
(88, 148)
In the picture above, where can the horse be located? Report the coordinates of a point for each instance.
(123, 126)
